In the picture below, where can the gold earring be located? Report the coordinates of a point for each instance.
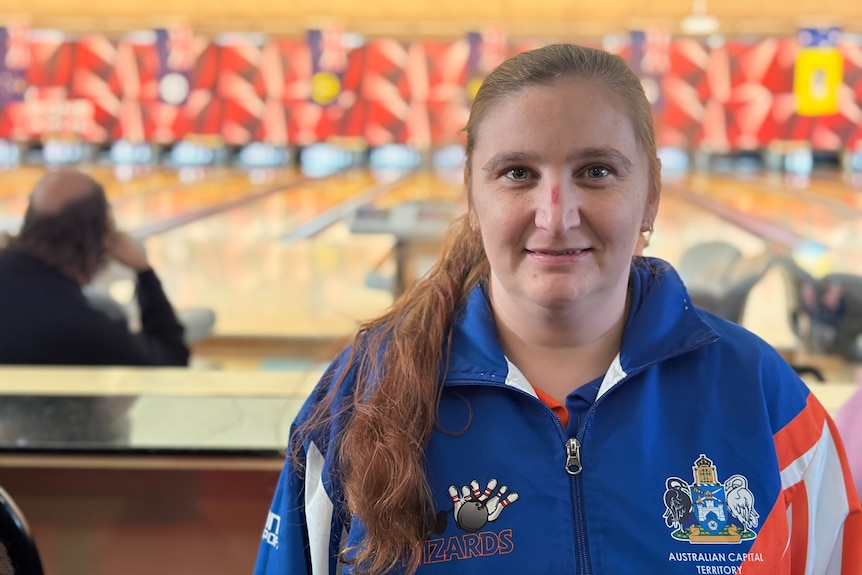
(646, 235)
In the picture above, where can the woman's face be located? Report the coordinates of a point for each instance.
(559, 191)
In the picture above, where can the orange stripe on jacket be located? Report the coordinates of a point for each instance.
(770, 545)
(800, 435)
(814, 467)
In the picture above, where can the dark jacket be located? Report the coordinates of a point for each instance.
(45, 319)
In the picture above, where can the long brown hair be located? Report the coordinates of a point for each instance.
(397, 358)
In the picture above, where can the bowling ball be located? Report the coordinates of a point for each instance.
(472, 516)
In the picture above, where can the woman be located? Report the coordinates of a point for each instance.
(543, 402)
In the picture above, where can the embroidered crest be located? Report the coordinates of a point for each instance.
(707, 511)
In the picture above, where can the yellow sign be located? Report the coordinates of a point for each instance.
(817, 81)
(325, 87)
(473, 87)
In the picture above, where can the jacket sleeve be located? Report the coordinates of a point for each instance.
(302, 533)
(91, 337)
(162, 335)
(823, 510)
(304, 528)
(101, 340)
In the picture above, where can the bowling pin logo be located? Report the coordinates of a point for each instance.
(475, 508)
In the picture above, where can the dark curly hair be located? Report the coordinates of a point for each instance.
(71, 240)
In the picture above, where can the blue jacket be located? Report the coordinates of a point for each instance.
(702, 453)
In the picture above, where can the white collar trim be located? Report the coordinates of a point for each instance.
(613, 376)
(517, 379)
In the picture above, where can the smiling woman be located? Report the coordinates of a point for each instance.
(542, 392)
(559, 212)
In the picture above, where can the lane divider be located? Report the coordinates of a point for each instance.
(772, 233)
(161, 226)
(340, 211)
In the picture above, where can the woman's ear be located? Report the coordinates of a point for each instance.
(473, 220)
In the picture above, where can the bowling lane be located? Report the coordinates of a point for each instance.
(16, 185)
(238, 264)
(14, 180)
(838, 190)
(134, 212)
(259, 285)
(19, 181)
(833, 235)
(680, 224)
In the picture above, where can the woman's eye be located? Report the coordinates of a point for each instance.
(597, 171)
(518, 174)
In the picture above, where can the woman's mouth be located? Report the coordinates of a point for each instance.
(571, 252)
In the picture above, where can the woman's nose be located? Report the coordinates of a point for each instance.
(557, 207)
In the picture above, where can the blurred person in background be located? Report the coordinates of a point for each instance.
(46, 319)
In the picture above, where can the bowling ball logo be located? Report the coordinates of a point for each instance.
(475, 508)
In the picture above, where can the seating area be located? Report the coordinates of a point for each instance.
(18, 552)
(824, 313)
(719, 278)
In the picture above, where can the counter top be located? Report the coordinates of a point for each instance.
(130, 417)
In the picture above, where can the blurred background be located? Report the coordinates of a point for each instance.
(234, 137)
(290, 167)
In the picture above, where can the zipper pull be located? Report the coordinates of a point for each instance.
(573, 456)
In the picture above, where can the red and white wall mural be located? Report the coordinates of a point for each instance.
(170, 84)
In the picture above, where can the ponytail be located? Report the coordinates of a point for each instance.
(398, 359)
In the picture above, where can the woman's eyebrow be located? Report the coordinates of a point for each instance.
(601, 152)
(504, 158)
(501, 159)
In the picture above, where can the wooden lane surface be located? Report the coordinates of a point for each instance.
(258, 285)
(16, 186)
(834, 192)
(681, 224)
(831, 187)
(777, 201)
(19, 181)
(159, 193)
(165, 194)
(138, 212)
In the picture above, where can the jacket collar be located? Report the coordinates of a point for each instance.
(662, 323)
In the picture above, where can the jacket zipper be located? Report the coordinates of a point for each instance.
(574, 466)
(573, 456)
